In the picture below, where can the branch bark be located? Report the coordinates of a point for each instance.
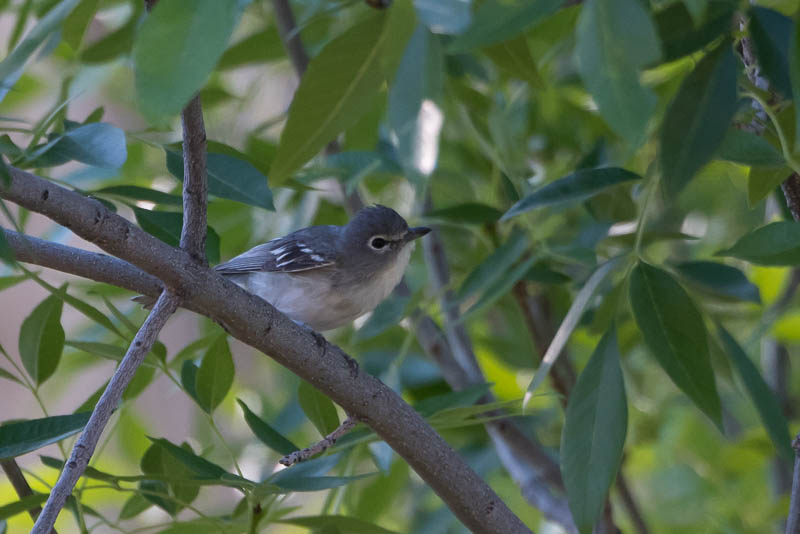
(255, 322)
(793, 519)
(20, 485)
(195, 183)
(85, 446)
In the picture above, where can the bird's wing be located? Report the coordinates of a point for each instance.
(290, 254)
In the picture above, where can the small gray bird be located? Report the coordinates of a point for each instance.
(327, 276)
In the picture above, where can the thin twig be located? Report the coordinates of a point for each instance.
(20, 485)
(287, 27)
(195, 184)
(793, 519)
(320, 446)
(84, 447)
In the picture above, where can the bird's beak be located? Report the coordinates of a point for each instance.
(416, 233)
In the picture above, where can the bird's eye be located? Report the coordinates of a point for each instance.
(377, 243)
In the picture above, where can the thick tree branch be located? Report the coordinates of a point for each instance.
(793, 519)
(85, 446)
(20, 485)
(195, 184)
(255, 322)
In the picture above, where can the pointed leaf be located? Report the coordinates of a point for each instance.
(720, 279)
(771, 32)
(229, 177)
(134, 192)
(494, 266)
(467, 213)
(264, 432)
(675, 333)
(215, 375)
(189, 378)
(767, 405)
(777, 243)
(98, 143)
(698, 117)
(26, 436)
(200, 467)
(594, 433)
(23, 505)
(41, 339)
(286, 480)
(444, 16)
(748, 148)
(135, 505)
(578, 186)
(350, 525)
(318, 408)
(496, 21)
(763, 181)
(615, 40)
(166, 226)
(76, 23)
(335, 91)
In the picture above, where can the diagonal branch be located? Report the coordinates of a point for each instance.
(195, 183)
(255, 322)
(85, 446)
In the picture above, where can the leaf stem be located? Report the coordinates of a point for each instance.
(787, 153)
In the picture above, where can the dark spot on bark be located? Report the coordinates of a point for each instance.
(490, 508)
(138, 343)
(45, 194)
(98, 216)
(436, 349)
(352, 365)
(73, 464)
(80, 446)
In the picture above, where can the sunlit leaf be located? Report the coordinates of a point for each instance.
(594, 432)
(675, 333)
(26, 436)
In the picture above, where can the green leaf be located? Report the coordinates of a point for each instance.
(496, 21)
(12, 66)
(720, 279)
(164, 490)
(135, 505)
(259, 47)
(514, 57)
(166, 226)
(777, 243)
(494, 266)
(6, 252)
(335, 91)
(10, 281)
(617, 39)
(680, 36)
(23, 505)
(675, 333)
(578, 186)
(794, 75)
(318, 408)
(444, 16)
(593, 437)
(134, 192)
(465, 397)
(387, 314)
(171, 33)
(198, 466)
(698, 117)
(76, 23)
(771, 33)
(750, 149)
(116, 43)
(215, 375)
(189, 378)
(289, 481)
(229, 177)
(97, 143)
(415, 118)
(265, 433)
(8, 376)
(767, 405)
(467, 213)
(501, 286)
(350, 525)
(763, 181)
(41, 339)
(22, 437)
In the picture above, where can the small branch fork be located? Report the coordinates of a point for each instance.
(320, 446)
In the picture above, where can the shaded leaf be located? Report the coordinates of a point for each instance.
(720, 279)
(116, 43)
(288, 481)
(166, 226)
(444, 16)
(748, 148)
(25, 436)
(496, 21)
(763, 181)
(189, 378)
(767, 404)
(215, 375)
(265, 433)
(577, 186)
(387, 314)
(23, 505)
(335, 91)
(615, 40)
(134, 192)
(501, 286)
(200, 467)
(777, 243)
(351, 525)
(172, 32)
(675, 333)
(229, 177)
(318, 408)
(259, 47)
(467, 213)
(494, 266)
(453, 399)
(135, 505)
(41, 339)
(514, 57)
(698, 117)
(98, 143)
(593, 437)
(771, 32)
(76, 23)
(681, 36)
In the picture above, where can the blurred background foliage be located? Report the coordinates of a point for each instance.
(542, 139)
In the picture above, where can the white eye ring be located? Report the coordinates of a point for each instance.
(378, 242)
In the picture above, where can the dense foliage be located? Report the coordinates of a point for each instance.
(605, 178)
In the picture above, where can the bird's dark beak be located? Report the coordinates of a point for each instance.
(416, 233)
